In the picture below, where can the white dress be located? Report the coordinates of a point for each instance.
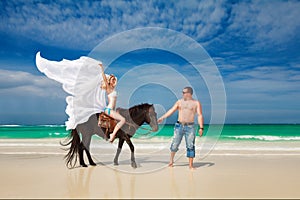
(81, 79)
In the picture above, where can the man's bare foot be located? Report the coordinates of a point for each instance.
(170, 164)
(192, 168)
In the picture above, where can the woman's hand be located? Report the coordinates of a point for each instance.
(101, 66)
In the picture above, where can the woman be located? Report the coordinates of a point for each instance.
(81, 79)
(109, 85)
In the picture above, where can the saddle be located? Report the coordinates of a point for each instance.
(106, 122)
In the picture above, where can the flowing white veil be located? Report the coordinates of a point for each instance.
(81, 79)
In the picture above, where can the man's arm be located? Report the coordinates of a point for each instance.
(169, 112)
(200, 118)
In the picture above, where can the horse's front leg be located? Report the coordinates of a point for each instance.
(120, 145)
(133, 163)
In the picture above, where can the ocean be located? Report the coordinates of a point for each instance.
(230, 132)
(228, 140)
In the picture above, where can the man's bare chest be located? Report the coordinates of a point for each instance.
(187, 105)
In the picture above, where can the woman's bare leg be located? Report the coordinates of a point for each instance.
(121, 122)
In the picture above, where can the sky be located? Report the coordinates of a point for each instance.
(255, 46)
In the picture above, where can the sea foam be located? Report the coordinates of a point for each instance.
(265, 137)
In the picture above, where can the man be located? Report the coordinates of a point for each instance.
(187, 109)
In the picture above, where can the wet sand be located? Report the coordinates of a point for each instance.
(31, 170)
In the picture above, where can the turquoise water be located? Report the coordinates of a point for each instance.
(269, 132)
(29, 132)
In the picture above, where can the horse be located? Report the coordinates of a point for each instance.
(135, 117)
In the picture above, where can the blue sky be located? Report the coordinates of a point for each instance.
(255, 45)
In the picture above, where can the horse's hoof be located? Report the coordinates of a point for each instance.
(133, 165)
(84, 165)
(116, 163)
(93, 164)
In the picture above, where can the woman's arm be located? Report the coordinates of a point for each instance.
(104, 76)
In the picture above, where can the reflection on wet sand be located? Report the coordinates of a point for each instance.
(81, 183)
(79, 180)
(109, 182)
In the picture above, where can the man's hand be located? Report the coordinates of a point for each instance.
(200, 132)
(160, 120)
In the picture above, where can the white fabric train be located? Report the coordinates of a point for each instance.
(81, 79)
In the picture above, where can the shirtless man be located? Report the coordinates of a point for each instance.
(187, 109)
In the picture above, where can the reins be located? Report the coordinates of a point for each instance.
(139, 127)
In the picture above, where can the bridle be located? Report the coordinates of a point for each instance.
(135, 126)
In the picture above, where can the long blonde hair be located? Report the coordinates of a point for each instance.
(109, 77)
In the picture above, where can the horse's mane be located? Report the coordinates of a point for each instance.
(142, 106)
(132, 111)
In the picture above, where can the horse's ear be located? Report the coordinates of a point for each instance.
(151, 107)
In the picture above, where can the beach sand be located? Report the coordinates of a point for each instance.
(30, 169)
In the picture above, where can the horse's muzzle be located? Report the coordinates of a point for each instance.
(154, 129)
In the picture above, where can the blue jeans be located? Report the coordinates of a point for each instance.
(189, 133)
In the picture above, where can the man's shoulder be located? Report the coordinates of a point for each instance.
(196, 102)
(179, 100)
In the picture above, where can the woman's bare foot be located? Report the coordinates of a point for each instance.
(170, 164)
(112, 138)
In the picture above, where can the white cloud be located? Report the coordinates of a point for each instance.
(263, 88)
(18, 83)
(267, 73)
(84, 24)
(81, 25)
(265, 23)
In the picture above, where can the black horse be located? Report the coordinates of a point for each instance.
(135, 117)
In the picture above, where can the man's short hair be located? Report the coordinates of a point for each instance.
(189, 89)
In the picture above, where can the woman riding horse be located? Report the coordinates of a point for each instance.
(82, 80)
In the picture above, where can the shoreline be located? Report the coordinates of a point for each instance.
(62, 125)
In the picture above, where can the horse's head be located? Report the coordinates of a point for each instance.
(151, 118)
(144, 113)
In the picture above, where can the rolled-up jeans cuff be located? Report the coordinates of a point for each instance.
(190, 153)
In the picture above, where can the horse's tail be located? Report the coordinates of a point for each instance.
(71, 157)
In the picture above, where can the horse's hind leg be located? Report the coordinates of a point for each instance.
(90, 157)
(81, 160)
(133, 163)
(120, 145)
(86, 141)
